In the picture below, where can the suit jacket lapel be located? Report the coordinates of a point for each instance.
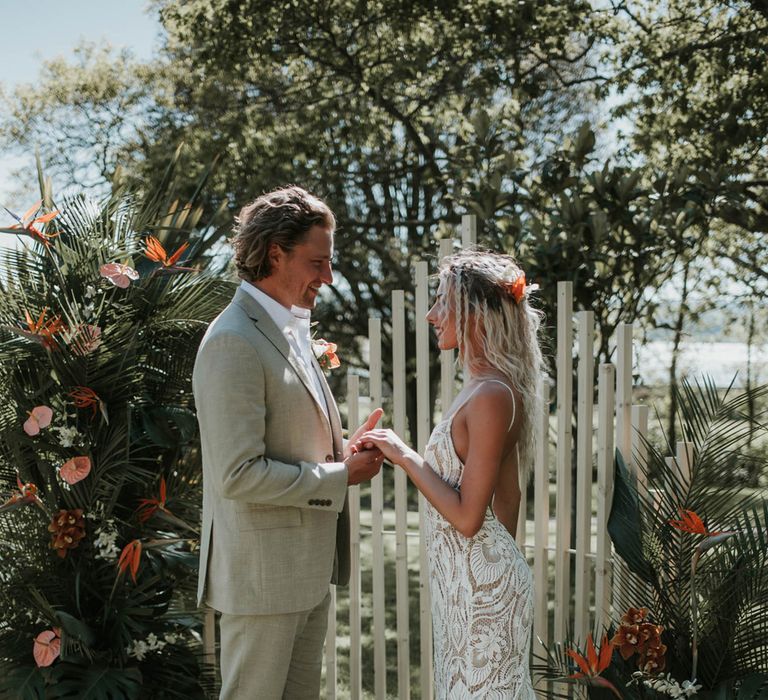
(274, 335)
(333, 411)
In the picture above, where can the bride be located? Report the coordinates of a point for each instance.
(474, 466)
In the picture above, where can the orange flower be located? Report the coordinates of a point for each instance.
(325, 353)
(149, 506)
(26, 223)
(634, 616)
(650, 635)
(130, 557)
(85, 397)
(654, 659)
(593, 664)
(690, 522)
(40, 330)
(156, 252)
(26, 494)
(627, 639)
(67, 528)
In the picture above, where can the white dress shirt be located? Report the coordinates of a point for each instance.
(294, 323)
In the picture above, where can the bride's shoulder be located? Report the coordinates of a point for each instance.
(494, 398)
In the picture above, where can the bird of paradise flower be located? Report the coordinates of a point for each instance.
(27, 223)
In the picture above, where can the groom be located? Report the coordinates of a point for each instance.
(275, 470)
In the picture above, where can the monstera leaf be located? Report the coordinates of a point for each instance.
(625, 524)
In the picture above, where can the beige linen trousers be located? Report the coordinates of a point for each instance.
(275, 520)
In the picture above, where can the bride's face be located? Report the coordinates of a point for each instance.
(443, 318)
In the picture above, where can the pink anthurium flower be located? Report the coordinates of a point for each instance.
(76, 469)
(47, 647)
(39, 417)
(120, 275)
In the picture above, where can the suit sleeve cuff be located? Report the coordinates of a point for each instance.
(333, 487)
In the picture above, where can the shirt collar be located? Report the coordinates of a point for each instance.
(285, 319)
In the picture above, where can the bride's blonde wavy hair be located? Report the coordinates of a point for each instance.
(497, 330)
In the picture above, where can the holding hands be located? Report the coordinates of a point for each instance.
(363, 465)
(387, 442)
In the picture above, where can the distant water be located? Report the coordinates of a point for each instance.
(718, 360)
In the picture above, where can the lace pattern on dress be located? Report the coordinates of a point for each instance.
(482, 598)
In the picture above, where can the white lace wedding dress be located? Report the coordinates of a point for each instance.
(482, 598)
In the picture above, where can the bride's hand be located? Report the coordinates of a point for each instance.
(391, 446)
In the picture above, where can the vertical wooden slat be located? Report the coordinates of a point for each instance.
(684, 455)
(422, 430)
(377, 525)
(563, 460)
(586, 375)
(624, 392)
(605, 450)
(447, 357)
(468, 231)
(330, 650)
(623, 432)
(541, 523)
(522, 519)
(355, 632)
(401, 499)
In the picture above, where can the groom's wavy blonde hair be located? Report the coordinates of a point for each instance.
(494, 330)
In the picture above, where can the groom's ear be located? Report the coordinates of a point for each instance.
(275, 255)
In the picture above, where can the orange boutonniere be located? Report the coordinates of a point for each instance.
(325, 353)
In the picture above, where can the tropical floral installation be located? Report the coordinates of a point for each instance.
(692, 617)
(101, 312)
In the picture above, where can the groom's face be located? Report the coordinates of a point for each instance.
(301, 272)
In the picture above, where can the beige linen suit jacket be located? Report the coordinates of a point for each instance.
(275, 519)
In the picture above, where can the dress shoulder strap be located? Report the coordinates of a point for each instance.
(514, 403)
(472, 393)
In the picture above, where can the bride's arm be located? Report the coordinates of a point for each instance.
(506, 496)
(488, 415)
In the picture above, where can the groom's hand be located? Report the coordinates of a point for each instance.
(370, 424)
(363, 466)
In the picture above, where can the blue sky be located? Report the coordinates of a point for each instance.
(36, 31)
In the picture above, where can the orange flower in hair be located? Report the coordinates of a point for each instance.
(514, 284)
(517, 288)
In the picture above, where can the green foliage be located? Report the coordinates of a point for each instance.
(707, 586)
(120, 638)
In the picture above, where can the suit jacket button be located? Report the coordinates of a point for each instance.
(311, 501)
(329, 458)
